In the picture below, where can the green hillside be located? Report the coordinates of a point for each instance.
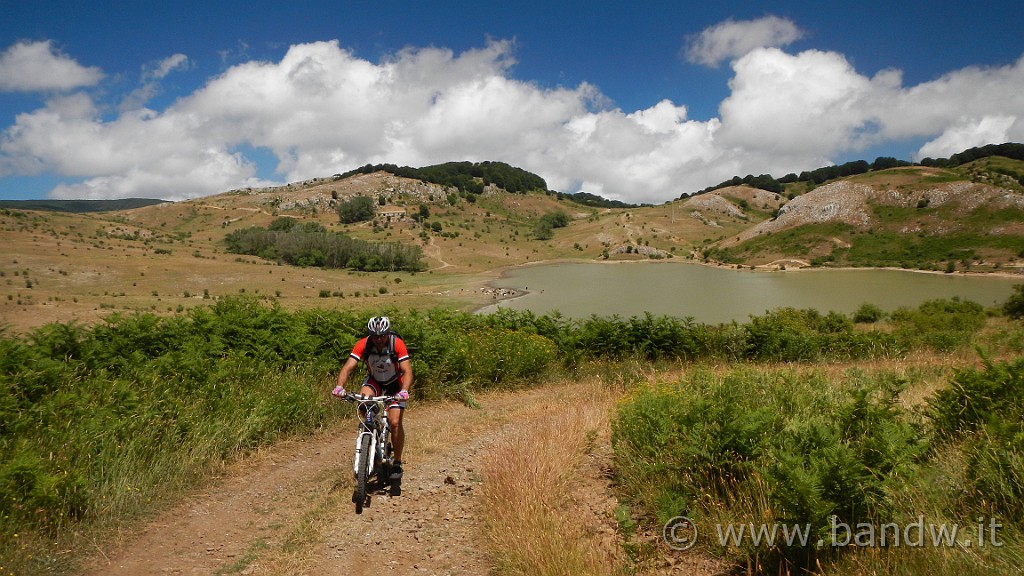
(79, 206)
(964, 218)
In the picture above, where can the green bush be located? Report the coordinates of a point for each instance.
(786, 334)
(791, 335)
(504, 356)
(986, 408)
(696, 437)
(283, 224)
(940, 325)
(356, 209)
(312, 245)
(647, 337)
(845, 457)
(1014, 306)
(868, 314)
(34, 491)
(799, 448)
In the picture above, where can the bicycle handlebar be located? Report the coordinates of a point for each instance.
(353, 397)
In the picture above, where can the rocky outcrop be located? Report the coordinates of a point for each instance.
(854, 204)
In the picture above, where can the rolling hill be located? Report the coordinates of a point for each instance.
(173, 256)
(909, 217)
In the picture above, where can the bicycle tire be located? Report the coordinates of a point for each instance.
(385, 441)
(394, 486)
(362, 473)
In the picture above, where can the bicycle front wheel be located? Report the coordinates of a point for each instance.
(362, 472)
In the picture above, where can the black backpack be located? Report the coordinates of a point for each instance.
(392, 335)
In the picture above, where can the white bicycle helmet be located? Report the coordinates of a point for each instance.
(378, 325)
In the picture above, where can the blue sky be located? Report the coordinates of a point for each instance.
(642, 102)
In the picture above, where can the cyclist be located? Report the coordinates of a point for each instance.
(389, 372)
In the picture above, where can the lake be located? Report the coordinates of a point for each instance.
(714, 295)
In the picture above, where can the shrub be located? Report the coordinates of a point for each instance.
(506, 356)
(788, 334)
(37, 491)
(311, 245)
(757, 447)
(282, 224)
(1014, 306)
(648, 337)
(979, 396)
(357, 209)
(941, 325)
(868, 314)
(987, 408)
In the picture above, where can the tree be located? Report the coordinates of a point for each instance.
(543, 229)
(313, 228)
(886, 162)
(1014, 307)
(469, 177)
(764, 182)
(556, 219)
(358, 209)
(282, 224)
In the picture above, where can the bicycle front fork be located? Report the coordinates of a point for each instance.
(360, 457)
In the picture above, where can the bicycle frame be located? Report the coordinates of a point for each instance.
(375, 424)
(372, 459)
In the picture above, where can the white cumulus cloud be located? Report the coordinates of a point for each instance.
(964, 108)
(151, 76)
(972, 132)
(733, 39)
(777, 100)
(166, 66)
(37, 66)
(320, 110)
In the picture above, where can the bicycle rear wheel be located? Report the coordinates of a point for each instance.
(394, 483)
(362, 473)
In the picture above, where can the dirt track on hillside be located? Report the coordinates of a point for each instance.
(288, 510)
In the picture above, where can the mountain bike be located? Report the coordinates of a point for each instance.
(373, 459)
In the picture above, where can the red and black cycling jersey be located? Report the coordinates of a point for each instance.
(382, 365)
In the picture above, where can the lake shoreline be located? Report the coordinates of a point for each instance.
(505, 294)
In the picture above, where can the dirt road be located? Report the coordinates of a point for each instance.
(288, 509)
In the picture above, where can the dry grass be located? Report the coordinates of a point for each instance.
(535, 507)
(59, 267)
